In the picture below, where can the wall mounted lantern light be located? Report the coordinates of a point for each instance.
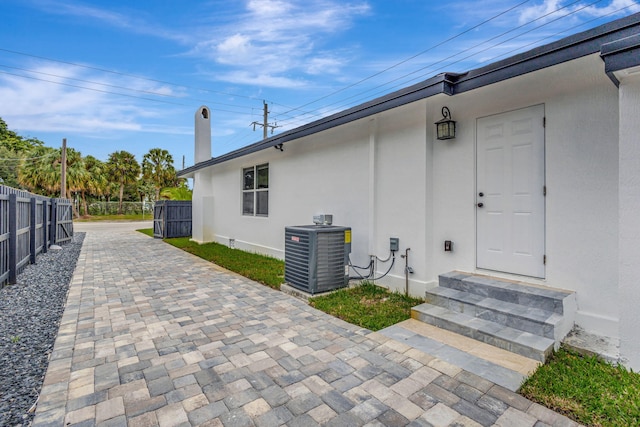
(446, 128)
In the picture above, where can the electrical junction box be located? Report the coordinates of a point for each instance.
(316, 257)
(394, 244)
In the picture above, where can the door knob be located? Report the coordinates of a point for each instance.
(480, 205)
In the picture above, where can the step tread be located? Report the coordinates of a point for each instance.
(534, 314)
(490, 332)
(506, 284)
(515, 292)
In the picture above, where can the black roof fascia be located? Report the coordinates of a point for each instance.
(442, 83)
(569, 48)
(621, 54)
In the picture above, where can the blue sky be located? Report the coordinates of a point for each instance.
(129, 75)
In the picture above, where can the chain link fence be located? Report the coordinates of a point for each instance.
(128, 208)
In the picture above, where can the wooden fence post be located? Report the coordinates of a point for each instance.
(32, 230)
(54, 221)
(45, 226)
(13, 238)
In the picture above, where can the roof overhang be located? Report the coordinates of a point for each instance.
(617, 42)
(442, 83)
(621, 57)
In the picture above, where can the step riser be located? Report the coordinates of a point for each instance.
(529, 325)
(485, 337)
(510, 295)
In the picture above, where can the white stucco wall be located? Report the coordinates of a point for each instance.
(386, 176)
(303, 181)
(400, 208)
(629, 297)
(201, 199)
(581, 159)
(331, 173)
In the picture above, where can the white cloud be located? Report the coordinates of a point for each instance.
(266, 42)
(261, 79)
(129, 20)
(551, 9)
(275, 39)
(323, 65)
(629, 6)
(269, 8)
(51, 99)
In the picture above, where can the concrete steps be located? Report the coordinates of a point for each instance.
(505, 337)
(521, 318)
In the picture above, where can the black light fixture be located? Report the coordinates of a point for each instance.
(446, 128)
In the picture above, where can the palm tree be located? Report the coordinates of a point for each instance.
(42, 170)
(122, 168)
(77, 175)
(157, 168)
(9, 163)
(95, 181)
(176, 193)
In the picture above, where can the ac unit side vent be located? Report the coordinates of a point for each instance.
(316, 257)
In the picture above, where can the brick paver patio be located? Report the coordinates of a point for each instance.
(153, 336)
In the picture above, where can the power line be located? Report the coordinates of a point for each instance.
(451, 56)
(412, 57)
(116, 86)
(227, 93)
(492, 46)
(119, 73)
(292, 121)
(89, 88)
(29, 158)
(489, 60)
(112, 93)
(293, 118)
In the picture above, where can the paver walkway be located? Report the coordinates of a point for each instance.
(153, 336)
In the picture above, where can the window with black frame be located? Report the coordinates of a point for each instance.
(255, 190)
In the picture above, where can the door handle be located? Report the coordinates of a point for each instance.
(480, 204)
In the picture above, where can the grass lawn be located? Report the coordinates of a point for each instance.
(587, 389)
(263, 269)
(367, 305)
(147, 231)
(129, 217)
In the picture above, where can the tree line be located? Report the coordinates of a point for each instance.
(26, 163)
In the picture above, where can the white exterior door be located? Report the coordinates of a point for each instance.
(510, 204)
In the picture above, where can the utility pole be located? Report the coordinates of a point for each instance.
(63, 175)
(265, 121)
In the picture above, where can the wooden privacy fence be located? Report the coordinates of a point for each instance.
(172, 218)
(29, 225)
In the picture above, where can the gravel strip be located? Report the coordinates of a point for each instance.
(30, 313)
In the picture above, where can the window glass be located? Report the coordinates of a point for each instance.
(262, 203)
(247, 203)
(249, 178)
(263, 176)
(255, 196)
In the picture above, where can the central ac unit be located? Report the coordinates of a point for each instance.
(317, 257)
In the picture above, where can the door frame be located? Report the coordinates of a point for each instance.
(544, 183)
